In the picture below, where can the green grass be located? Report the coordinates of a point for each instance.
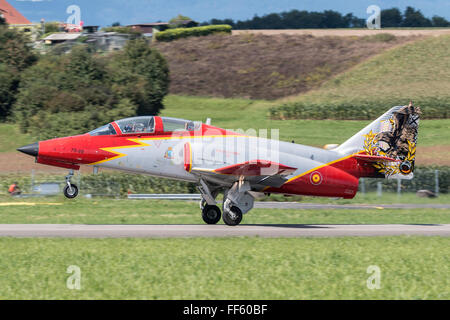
(104, 211)
(226, 268)
(11, 138)
(245, 114)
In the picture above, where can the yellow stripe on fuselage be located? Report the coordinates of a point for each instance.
(143, 144)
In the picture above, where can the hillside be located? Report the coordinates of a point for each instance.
(418, 71)
(261, 66)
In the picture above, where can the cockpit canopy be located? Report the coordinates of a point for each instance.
(173, 124)
(139, 125)
(107, 130)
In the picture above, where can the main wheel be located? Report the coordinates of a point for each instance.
(232, 218)
(211, 214)
(71, 192)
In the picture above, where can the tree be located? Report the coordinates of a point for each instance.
(15, 49)
(82, 69)
(77, 92)
(391, 18)
(181, 21)
(440, 22)
(296, 19)
(332, 19)
(66, 95)
(414, 18)
(51, 27)
(141, 74)
(15, 56)
(9, 81)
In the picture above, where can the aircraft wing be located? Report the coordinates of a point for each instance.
(266, 173)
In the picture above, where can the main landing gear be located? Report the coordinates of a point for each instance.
(70, 190)
(236, 202)
(211, 214)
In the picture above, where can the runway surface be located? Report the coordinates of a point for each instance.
(177, 231)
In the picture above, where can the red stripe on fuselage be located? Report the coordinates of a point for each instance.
(332, 182)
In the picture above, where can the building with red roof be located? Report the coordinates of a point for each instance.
(11, 15)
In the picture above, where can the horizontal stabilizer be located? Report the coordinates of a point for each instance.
(369, 158)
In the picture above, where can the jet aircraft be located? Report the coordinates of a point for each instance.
(240, 166)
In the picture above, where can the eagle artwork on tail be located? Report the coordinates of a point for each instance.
(398, 141)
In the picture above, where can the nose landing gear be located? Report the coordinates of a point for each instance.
(70, 190)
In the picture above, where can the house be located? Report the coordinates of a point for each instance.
(148, 29)
(107, 41)
(11, 15)
(63, 42)
(90, 29)
(57, 38)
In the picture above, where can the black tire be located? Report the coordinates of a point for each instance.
(211, 214)
(229, 220)
(71, 193)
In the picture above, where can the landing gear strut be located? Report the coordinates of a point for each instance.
(237, 202)
(70, 190)
(210, 212)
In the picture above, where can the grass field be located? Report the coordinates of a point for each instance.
(224, 268)
(245, 114)
(220, 268)
(104, 211)
(11, 138)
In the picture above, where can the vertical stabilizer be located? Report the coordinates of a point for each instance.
(392, 135)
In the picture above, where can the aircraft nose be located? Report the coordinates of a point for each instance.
(31, 149)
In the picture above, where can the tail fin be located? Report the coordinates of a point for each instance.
(393, 135)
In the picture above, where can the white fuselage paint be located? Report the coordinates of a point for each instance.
(164, 157)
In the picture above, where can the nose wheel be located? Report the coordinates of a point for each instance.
(70, 190)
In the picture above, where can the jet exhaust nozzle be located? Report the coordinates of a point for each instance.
(31, 149)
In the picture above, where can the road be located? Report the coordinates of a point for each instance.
(177, 231)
